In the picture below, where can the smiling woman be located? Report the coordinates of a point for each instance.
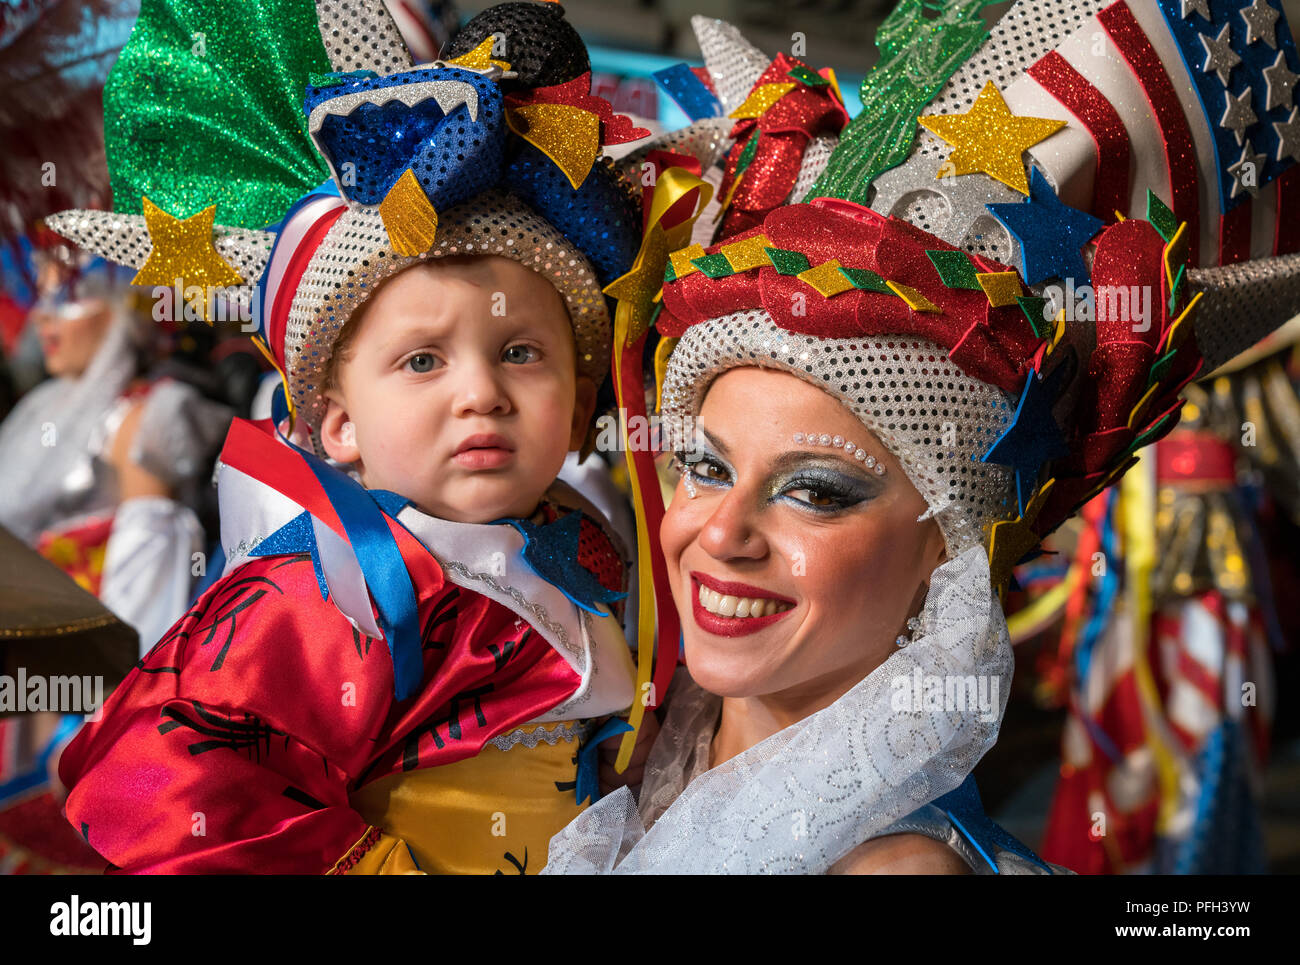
(863, 477)
(798, 530)
(826, 542)
(892, 415)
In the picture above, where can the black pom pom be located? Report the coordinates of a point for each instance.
(538, 43)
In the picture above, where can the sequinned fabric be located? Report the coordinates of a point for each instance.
(935, 419)
(534, 38)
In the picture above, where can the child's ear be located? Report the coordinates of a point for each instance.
(584, 407)
(337, 434)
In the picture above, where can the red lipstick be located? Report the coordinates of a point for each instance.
(731, 626)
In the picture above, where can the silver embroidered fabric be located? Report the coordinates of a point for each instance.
(708, 139)
(815, 158)
(575, 731)
(1242, 304)
(733, 62)
(802, 799)
(933, 417)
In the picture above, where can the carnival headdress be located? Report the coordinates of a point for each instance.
(495, 150)
(1010, 401)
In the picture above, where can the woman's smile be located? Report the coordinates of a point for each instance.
(734, 609)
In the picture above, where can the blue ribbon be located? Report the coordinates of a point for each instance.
(588, 765)
(384, 569)
(681, 84)
(362, 513)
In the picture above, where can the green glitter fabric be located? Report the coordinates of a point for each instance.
(866, 279)
(715, 265)
(204, 106)
(788, 262)
(918, 53)
(1161, 218)
(955, 269)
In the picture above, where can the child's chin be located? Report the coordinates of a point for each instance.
(483, 508)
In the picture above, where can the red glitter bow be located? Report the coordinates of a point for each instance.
(784, 131)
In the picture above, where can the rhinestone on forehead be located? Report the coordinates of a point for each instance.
(839, 442)
(355, 257)
(935, 419)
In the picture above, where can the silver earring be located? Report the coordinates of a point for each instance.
(915, 628)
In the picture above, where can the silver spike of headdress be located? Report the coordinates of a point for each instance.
(1243, 303)
(732, 61)
(124, 240)
(361, 35)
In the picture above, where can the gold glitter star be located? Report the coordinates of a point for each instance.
(990, 138)
(636, 290)
(183, 251)
(1011, 539)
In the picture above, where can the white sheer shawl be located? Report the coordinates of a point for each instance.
(805, 797)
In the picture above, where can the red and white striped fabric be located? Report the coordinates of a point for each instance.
(303, 230)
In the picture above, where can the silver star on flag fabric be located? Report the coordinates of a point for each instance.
(1248, 170)
(1288, 136)
(1199, 6)
(1281, 82)
(1238, 115)
(1219, 55)
(1261, 23)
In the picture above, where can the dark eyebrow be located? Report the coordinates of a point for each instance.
(714, 441)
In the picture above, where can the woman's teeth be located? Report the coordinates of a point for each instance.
(740, 606)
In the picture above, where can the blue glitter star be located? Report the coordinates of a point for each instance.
(1051, 234)
(552, 551)
(1033, 438)
(295, 536)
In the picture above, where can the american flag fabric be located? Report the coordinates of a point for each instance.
(1192, 99)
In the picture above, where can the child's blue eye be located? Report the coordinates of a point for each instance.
(421, 363)
(520, 355)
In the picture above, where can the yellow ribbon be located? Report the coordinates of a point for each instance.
(1138, 511)
(284, 379)
(635, 292)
